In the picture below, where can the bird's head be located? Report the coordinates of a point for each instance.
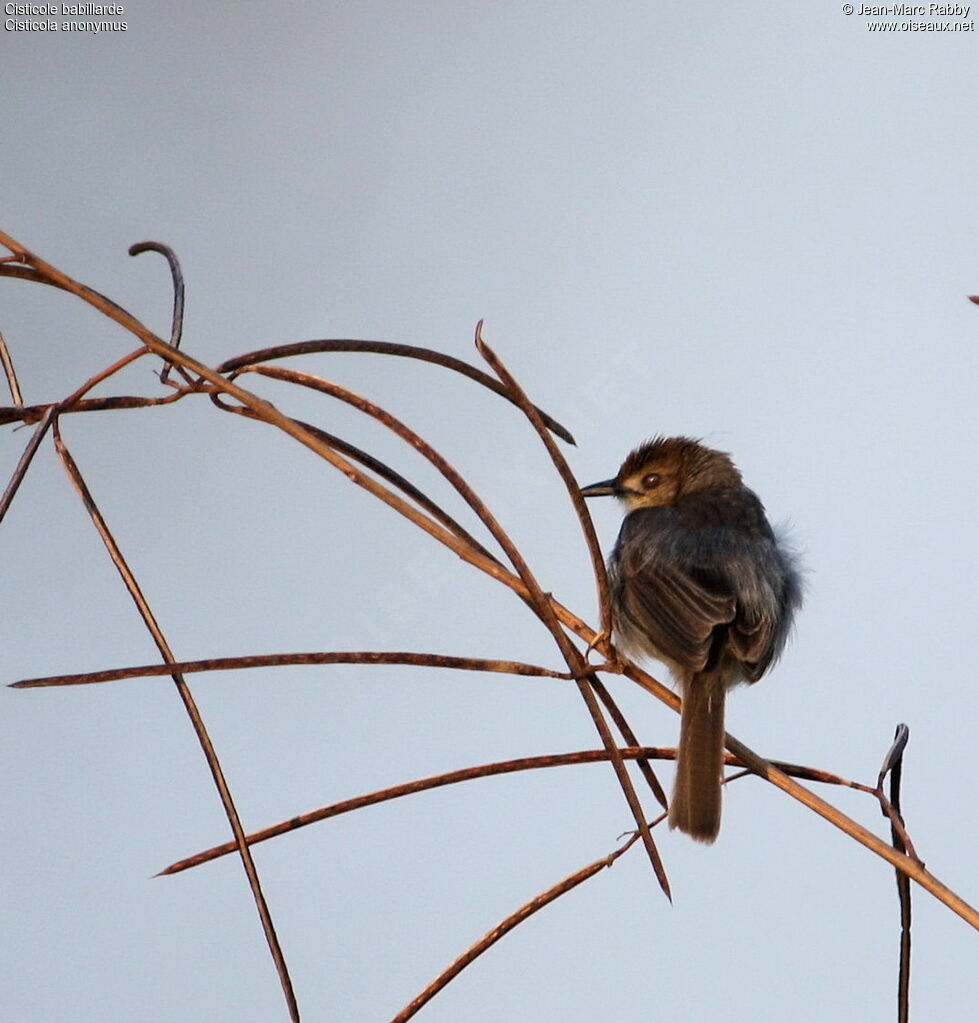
(664, 469)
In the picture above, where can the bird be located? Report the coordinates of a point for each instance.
(700, 581)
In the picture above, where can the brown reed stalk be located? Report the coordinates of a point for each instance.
(240, 362)
(9, 372)
(379, 468)
(374, 657)
(505, 926)
(177, 319)
(891, 809)
(538, 762)
(24, 463)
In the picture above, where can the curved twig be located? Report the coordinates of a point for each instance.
(177, 321)
(519, 397)
(406, 434)
(538, 762)
(893, 765)
(408, 789)
(586, 678)
(31, 414)
(374, 657)
(240, 362)
(507, 925)
(375, 465)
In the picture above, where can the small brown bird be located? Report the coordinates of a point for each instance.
(700, 582)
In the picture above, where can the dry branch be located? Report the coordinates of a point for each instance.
(637, 753)
(240, 362)
(373, 657)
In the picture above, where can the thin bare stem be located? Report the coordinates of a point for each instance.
(893, 762)
(103, 374)
(504, 927)
(373, 657)
(177, 320)
(11, 374)
(543, 605)
(627, 733)
(190, 706)
(411, 788)
(403, 431)
(482, 771)
(519, 397)
(25, 460)
(893, 765)
(383, 348)
(39, 272)
(376, 466)
(35, 413)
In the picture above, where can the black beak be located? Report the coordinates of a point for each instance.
(607, 488)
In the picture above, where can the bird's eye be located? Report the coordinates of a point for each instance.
(650, 480)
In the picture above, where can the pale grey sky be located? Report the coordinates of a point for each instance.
(757, 225)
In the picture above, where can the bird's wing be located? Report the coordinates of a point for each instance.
(676, 613)
(751, 641)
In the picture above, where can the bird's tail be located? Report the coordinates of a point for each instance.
(696, 805)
